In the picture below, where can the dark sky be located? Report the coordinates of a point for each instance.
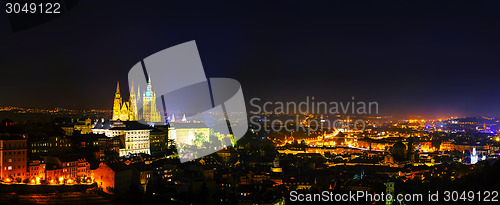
(413, 57)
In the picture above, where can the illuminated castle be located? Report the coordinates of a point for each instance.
(123, 110)
(128, 111)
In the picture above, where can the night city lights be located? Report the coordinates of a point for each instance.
(249, 102)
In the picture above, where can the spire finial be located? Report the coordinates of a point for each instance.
(117, 86)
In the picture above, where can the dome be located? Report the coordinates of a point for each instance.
(399, 145)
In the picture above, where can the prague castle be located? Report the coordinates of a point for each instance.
(123, 110)
(128, 111)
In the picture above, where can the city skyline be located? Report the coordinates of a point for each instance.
(272, 102)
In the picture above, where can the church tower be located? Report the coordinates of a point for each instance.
(123, 111)
(117, 103)
(133, 102)
(149, 111)
(146, 102)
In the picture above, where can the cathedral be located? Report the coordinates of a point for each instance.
(123, 111)
(149, 111)
(128, 111)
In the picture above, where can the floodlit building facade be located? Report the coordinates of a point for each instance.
(13, 158)
(134, 137)
(185, 132)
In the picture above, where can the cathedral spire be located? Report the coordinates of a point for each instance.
(117, 103)
(133, 102)
(118, 87)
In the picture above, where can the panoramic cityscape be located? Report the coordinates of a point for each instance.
(107, 156)
(269, 103)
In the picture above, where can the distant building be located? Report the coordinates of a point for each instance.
(83, 126)
(141, 175)
(158, 139)
(113, 177)
(123, 110)
(185, 132)
(65, 170)
(134, 136)
(450, 146)
(100, 141)
(150, 112)
(129, 111)
(36, 170)
(48, 145)
(13, 158)
(225, 155)
(473, 156)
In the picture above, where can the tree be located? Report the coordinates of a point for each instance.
(199, 139)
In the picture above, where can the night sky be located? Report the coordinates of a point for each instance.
(413, 57)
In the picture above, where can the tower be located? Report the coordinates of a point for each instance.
(138, 102)
(149, 111)
(473, 156)
(146, 102)
(122, 110)
(133, 102)
(117, 103)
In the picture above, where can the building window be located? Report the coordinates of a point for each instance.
(10, 168)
